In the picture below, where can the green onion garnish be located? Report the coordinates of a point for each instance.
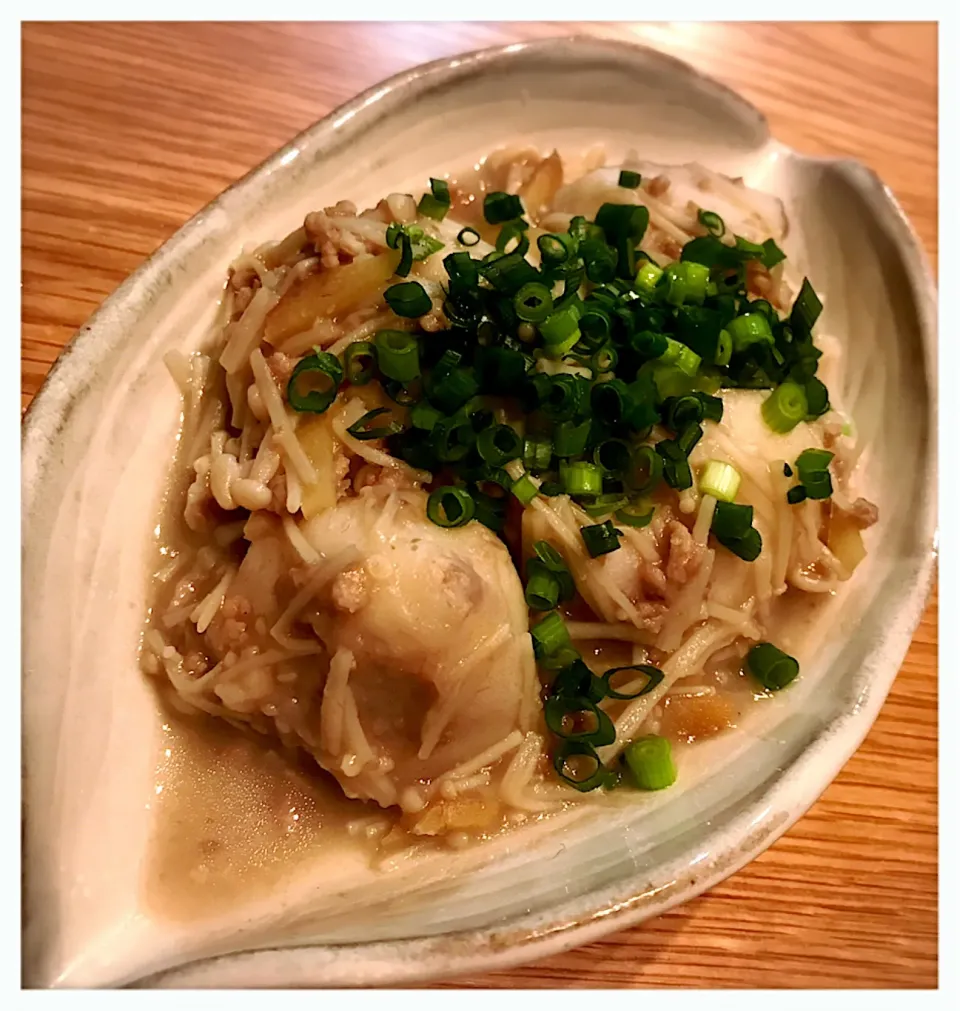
(812, 470)
(645, 471)
(498, 445)
(785, 408)
(582, 478)
(561, 328)
(579, 766)
(751, 328)
(653, 675)
(634, 516)
(682, 357)
(359, 362)
(648, 276)
(676, 468)
(570, 438)
(724, 349)
(720, 480)
(361, 429)
(424, 415)
(436, 203)
(548, 556)
(468, 236)
(613, 456)
(628, 180)
(551, 642)
(450, 507)
(499, 207)
(733, 527)
(600, 538)
(398, 355)
(797, 494)
(408, 299)
(537, 454)
(712, 222)
(524, 490)
(773, 668)
(565, 718)
(772, 254)
(543, 588)
(453, 389)
(686, 283)
(533, 302)
(322, 367)
(650, 762)
(805, 312)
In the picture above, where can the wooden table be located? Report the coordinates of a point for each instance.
(128, 129)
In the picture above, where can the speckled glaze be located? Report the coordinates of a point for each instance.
(99, 439)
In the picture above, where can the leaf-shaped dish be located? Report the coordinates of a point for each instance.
(97, 446)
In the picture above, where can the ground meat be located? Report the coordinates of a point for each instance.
(341, 209)
(339, 239)
(281, 367)
(683, 553)
(657, 186)
(863, 513)
(349, 590)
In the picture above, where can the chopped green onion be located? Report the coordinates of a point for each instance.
(647, 277)
(712, 222)
(624, 226)
(578, 765)
(773, 668)
(537, 453)
(720, 480)
(785, 408)
(613, 456)
(562, 715)
(600, 538)
(628, 180)
(561, 326)
(553, 560)
(812, 470)
(408, 299)
(524, 490)
(403, 394)
(359, 362)
(543, 588)
(424, 415)
(630, 516)
(797, 494)
(712, 407)
(533, 302)
(398, 355)
(467, 237)
(551, 642)
(452, 439)
(556, 249)
(678, 412)
(772, 254)
(509, 273)
(676, 468)
(818, 398)
(653, 675)
(648, 343)
(570, 438)
(650, 762)
(513, 231)
(805, 312)
(560, 396)
(679, 355)
(689, 437)
(321, 365)
(645, 471)
(732, 521)
(751, 328)
(498, 445)
(603, 360)
(686, 283)
(452, 390)
(450, 507)
(724, 349)
(582, 478)
(732, 526)
(361, 429)
(499, 207)
(435, 204)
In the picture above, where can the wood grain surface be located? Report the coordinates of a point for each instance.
(129, 129)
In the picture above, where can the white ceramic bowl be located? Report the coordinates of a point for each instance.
(98, 442)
